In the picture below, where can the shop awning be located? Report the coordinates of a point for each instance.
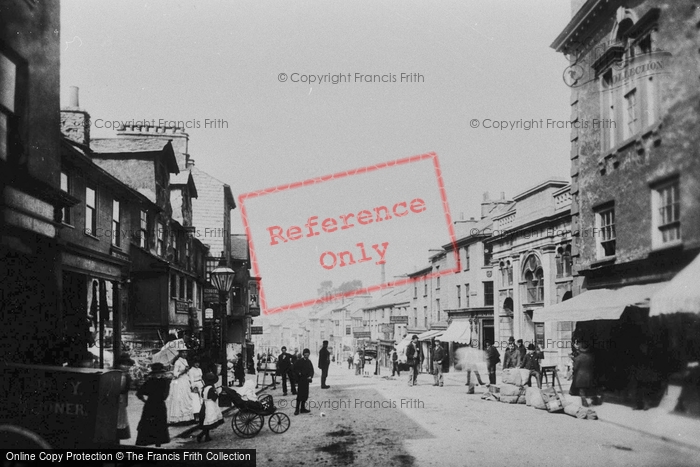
(681, 294)
(427, 335)
(459, 331)
(598, 304)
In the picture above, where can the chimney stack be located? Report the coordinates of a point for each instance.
(75, 122)
(73, 100)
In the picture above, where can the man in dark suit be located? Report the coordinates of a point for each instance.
(413, 358)
(532, 363)
(324, 361)
(304, 373)
(284, 369)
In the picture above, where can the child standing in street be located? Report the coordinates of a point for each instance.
(210, 415)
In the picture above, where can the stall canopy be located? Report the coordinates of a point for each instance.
(598, 304)
(681, 295)
(459, 331)
(427, 335)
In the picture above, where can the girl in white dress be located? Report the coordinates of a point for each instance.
(179, 402)
(210, 416)
(196, 386)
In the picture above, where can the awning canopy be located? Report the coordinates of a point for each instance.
(681, 294)
(459, 331)
(598, 304)
(427, 335)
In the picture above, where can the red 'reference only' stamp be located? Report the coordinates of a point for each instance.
(374, 224)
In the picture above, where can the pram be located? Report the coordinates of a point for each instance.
(250, 417)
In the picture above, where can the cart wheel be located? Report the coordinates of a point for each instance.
(247, 424)
(279, 423)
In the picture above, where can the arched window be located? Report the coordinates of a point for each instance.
(508, 306)
(534, 279)
(563, 261)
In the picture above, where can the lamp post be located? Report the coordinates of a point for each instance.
(222, 280)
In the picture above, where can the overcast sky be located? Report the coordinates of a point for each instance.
(222, 60)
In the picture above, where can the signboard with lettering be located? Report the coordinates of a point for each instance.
(362, 334)
(211, 295)
(209, 313)
(182, 306)
(398, 319)
(256, 329)
(69, 407)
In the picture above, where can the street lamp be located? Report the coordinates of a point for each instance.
(222, 280)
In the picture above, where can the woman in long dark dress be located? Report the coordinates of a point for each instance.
(153, 427)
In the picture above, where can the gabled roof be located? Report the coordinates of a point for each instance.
(184, 178)
(202, 178)
(129, 147)
(76, 155)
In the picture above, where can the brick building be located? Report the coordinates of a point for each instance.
(635, 169)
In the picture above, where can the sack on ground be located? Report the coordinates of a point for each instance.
(572, 409)
(523, 375)
(510, 390)
(533, 397)
(489, 396)
(518, 399)
(512, 376)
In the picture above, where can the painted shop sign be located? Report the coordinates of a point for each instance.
(69, 407)
(211, 295)
(256, 329)
(398, 319)
(182, 306)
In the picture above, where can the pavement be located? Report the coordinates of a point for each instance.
(660, 422)
(179, 433)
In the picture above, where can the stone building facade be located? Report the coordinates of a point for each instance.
(531, 246)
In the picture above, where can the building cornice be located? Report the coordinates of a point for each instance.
(585, 20)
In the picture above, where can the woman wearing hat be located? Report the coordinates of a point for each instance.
(153, 427)
(180, 401)
(123, 363)
(210, 416)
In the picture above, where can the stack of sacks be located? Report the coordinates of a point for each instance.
(533, 398)
(512, 394)
(512, 376)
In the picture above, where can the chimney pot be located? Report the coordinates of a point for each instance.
(486, 196)
(73, 100)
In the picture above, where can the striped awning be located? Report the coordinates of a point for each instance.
(459, 331)
(427, 335)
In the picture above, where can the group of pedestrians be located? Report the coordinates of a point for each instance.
(300, 372)
(186, 394)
